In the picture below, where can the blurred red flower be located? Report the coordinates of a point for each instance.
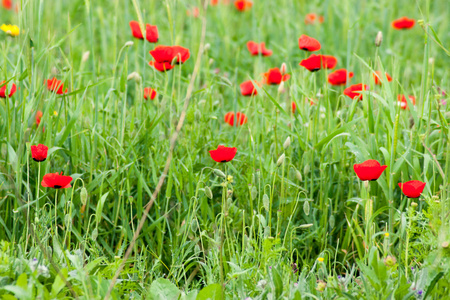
(308, 43)
(377, 76)
(354, 91)
(149, 93)
(403, 103)
(312, 18)
(339, 77)
(294, 107)
(39, 115)
(243, 5)
(165, 56)
(39, 152)
(316, 62)
(4, 92)
(223, 154)
(403, 23)
(151, 32)
(7, 4)
(241, 118)
(274, 76)
(369, 170)
(248, 89)
(56, 86)
(195, 12)
(56, 181)
(256, 49)
(413, 188)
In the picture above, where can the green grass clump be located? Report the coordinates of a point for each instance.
(287, 218)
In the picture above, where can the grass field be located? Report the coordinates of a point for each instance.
(149, 213)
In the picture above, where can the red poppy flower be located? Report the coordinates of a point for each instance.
(274, 76)
(39, 152)
(223, 154)
(308, 43)
(56, 181)
(354, 91)
(256, 49)
(39, 115)
(311, 19)
(165, 55)
(243, 5)
(377, 76)
(136, 30)
(248, 89)
(369, 170)
(4, 92)
(403, 23)
(56, 86)
(316, 62)
(240, 117)
(401, 100)
(214, 2)
(149, 93)
(413, 188)
(195, 12)
(294, 107)
(151, 33)
(7, 4)
(339, 77)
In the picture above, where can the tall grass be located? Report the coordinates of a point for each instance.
(300, 227)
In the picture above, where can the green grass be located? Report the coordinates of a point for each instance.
(204, 232)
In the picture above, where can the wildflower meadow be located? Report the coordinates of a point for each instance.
(224, 149)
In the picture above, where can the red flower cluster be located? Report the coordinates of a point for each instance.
(4, 92)
(257, 49)
(56, 86)
(241, 118)
(151, 32)
(166, 56)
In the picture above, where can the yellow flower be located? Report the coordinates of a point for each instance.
(320, 259)
(386, 234)
(12, 30)
(55, 113)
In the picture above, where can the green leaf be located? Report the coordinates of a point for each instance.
(210, 292)
(98, 212)
(277, 283)
(432, 284)
(22, 281)
(162, 288)
(58, 284)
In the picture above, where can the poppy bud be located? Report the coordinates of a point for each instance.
(207, 46)
(208, 192)
(83, 195)
(211, 61)
(366, 184)
(414, 204)
(306, 208)
(321, 286)
(135, 76)
(95, 234)
(287, 142)
(254, 192)
(85, 56)
(306, 169)
(389, 261)
(283, 68)
(281, 160)
(129, 43)
(445, 245)
(298, 175)
(266, 202)
(379, 39)
(219, 173)
(281, 88)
